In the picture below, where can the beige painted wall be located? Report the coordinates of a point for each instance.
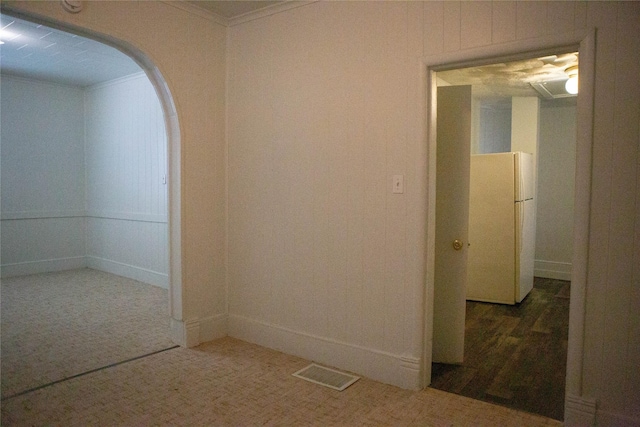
(317, 124)
(322, 114)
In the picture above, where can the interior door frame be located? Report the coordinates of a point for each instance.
(577, 407)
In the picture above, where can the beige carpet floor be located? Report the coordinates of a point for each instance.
(228, 382)
(57, 325)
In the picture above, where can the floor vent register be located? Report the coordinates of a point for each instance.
(326, 377)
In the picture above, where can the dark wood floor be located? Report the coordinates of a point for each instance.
(515, 356)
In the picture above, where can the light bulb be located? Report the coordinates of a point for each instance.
(571, 85)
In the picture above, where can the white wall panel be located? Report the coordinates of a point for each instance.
(475, 23)
(42, 164)
(323, 142)
(560, 16)
(39, 245)
(503, 21)
(556, 170)
(126, 165)
(42, 147)
(314, 111)
(135, 249)
(531, 19)
(494, 129)
(126, 148)
(604, 17)
(317, 242)
(433, 27)
(452, 25)
(620, 336)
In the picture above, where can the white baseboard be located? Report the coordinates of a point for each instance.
(399, 370)
(552, 270)
(42, 266)
(579, 411)
(129, 271)
(582, 412)
(191, 333)
(213, 327)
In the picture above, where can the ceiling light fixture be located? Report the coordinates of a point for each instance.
(6, 35)
(571, 85)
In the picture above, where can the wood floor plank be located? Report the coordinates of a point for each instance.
(515, 355)
(454, 378)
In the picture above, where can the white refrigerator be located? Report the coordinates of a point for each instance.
(501, 227)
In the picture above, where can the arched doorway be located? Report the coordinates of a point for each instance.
(173, 151)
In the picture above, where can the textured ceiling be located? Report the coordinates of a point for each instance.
(42, 53)
(509, 79)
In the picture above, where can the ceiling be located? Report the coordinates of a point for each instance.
(42, 53)
(517, 78)
(38, 52)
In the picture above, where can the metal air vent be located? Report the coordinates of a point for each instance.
(326, 377)
(553, 89)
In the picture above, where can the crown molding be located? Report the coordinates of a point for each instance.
(33, 80)
(240, 19)
(268, 11)
(199, 11)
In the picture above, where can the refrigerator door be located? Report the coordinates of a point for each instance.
(525, 248)
(525, 182)
(492, 261)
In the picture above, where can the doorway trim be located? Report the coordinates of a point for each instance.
(578, 408)
(177, 330)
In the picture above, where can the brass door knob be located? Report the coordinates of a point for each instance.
(457, 245)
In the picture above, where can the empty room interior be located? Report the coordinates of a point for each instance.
(204, 201)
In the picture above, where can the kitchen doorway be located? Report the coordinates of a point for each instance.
(581, 198)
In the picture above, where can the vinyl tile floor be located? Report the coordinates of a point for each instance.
(515, 355)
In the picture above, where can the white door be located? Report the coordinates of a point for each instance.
(452, 222)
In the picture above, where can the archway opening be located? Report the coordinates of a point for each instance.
(167, 168)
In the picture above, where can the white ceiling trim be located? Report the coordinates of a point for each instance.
(240, 19)
(36, 81)
(119, 80)
(268, 11)
(197, 10)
